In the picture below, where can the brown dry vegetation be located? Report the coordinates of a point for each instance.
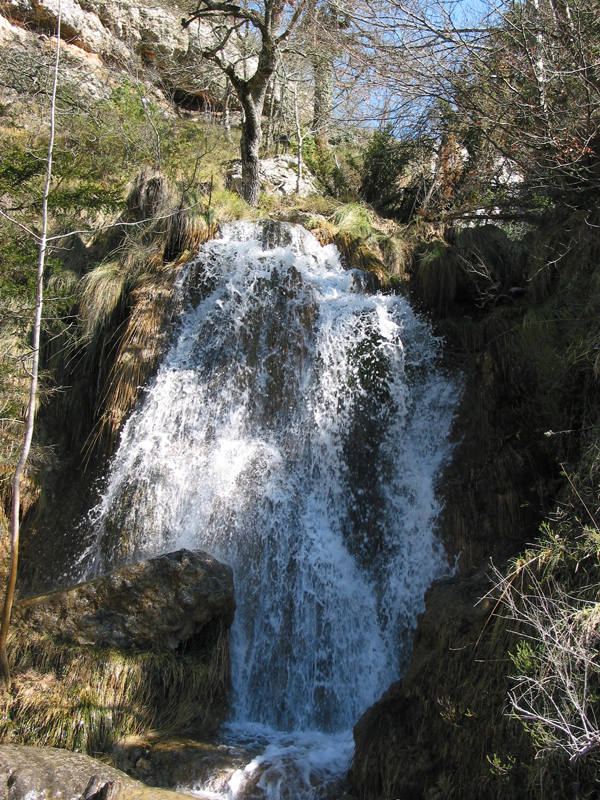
(83, 698)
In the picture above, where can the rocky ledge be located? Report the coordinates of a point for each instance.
(144, 648)
(278, 175)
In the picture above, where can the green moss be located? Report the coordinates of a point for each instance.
(354, 220)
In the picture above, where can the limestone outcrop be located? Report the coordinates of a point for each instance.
(278, 175)
(116, 41)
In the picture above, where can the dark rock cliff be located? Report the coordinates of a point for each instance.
(444, 731)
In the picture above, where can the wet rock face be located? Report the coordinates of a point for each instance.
(46, 773)
(180, 762)
(422, 736)
(165, 603)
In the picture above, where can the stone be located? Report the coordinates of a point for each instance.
(126, 37)
(173, 761)
(278, 175)
(418, 735)
(25, 51)
(172, 602)
(47, 773)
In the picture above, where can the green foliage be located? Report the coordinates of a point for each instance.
(499, 767)
(354, 219)
(19, 260)
(525, 657)
(229, 206)
(17, 303)
(322, 162)
(384, 161)
(19, 163)
(394, 174)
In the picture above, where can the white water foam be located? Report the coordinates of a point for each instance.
(295, 431)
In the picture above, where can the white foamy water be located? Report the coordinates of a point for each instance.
(294, 431)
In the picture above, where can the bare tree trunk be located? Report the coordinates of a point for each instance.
(226, 115)
(250, 144)
(322, 64)
(33, 386)
(271, 114)
(300, 140)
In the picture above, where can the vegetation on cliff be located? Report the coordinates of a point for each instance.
(501, 698)
(526, 448)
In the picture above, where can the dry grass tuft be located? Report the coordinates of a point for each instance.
(354, 220)
(186, 233)
(150, 197)
(127, 302)
(396, 255)
(102, 291)
(85, 699)
(139, 349)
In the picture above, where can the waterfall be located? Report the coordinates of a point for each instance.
(294, 431)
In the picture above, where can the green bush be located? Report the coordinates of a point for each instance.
(385, 160)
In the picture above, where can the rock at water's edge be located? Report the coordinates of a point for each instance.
(166, 603)
(47, 773)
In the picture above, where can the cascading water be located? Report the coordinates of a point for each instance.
(294, 431)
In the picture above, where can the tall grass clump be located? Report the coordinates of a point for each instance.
(83, 698)
(127, 301)
(355, 220)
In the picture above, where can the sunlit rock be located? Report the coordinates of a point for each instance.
(167, 602)
(278, 175)
(46, 773)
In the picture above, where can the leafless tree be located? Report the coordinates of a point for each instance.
(272, 22)
(522, 76)
(33, 384)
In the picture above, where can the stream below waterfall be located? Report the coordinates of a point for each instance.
(295, 431)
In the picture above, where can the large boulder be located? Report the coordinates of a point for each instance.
(165, 603)
(46, 773)
(436, 733)
(181, 762)
(144, 648)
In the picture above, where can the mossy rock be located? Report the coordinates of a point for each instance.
(143, 648)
